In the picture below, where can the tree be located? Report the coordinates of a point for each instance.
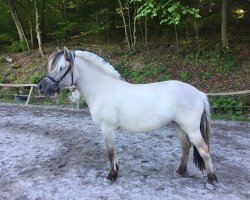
(17, 22)
(29, 13)
(38, 29)
(130, 34)
(169, 11)
(224, 24)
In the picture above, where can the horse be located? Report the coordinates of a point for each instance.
(116, 104)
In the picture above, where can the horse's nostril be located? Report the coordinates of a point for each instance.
(40, 87)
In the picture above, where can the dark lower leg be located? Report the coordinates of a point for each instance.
(203, 151)
(184, 159)
(211, 178)
(113, 165)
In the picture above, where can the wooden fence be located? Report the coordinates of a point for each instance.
(22, 85)
(72, 87)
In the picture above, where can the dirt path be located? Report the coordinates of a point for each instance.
(51, 153)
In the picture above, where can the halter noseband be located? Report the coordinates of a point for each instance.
(55, 84)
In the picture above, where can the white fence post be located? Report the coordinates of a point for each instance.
(28, 99)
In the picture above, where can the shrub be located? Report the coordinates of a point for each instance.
(184, 75)
(5, 38)
(36, 78)
(17, 46)
(227, 105)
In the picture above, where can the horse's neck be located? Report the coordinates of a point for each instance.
(92, 82)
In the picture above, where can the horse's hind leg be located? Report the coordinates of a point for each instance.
(203, 152)
(109, 134)
(185, 147)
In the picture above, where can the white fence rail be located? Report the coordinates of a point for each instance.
(72, 87)
(22, 85)
(229, 93)
(31, 90)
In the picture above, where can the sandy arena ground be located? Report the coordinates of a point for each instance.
(51, 153)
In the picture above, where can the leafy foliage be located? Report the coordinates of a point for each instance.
(36, 78)
(225, 61)
(231, 107)
(169, 11)
(17, 46)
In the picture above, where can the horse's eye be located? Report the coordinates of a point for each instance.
(60, 69)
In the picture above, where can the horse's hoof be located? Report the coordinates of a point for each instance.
(178, 175)
(181, 171)
(112, 176)
(212, 178)
(210, 186)
(211, 181)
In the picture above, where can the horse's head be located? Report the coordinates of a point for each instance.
(61, 74)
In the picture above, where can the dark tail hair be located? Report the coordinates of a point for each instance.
(205, 132)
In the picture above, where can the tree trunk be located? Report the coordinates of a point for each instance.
(38, 30)
(97, 21)
(176, 38)
(31, 27)
(125, 26)
(224, 24)
(31, 34)
(196, 28)
(129, 26)
(17, 22)
(134, 30)
(146, 32)
(107, 22)
(43, 20)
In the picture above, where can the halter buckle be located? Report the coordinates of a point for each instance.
(55, 86)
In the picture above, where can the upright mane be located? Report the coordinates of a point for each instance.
(99, 62)
(54, 58)
(90, 57)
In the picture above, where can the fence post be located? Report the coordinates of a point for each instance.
(78, 103)
(28, 99)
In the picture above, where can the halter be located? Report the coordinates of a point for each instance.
(55, 84)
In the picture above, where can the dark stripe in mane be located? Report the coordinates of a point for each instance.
(55, 57)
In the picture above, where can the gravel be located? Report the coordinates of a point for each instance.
(55, 153)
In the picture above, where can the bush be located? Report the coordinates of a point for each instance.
(230, 106)
(63, 97)
(2, 79)
(225, 61)
(5, 38)
(17, 46)
(36, 78)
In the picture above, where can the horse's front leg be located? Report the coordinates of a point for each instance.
(109, 134)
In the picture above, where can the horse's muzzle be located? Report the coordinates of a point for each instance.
(47, 87)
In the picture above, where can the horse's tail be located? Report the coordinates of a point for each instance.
(205, 132)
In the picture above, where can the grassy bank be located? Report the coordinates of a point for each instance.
(209, 69)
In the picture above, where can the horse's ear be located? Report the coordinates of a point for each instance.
(66, 53)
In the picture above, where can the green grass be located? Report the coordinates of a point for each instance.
(184, 75)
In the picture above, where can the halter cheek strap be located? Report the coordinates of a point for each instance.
(55, 85)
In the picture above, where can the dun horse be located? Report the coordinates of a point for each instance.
(116, 104)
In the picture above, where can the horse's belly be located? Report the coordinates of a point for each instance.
(139, 127)
(143, 122)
